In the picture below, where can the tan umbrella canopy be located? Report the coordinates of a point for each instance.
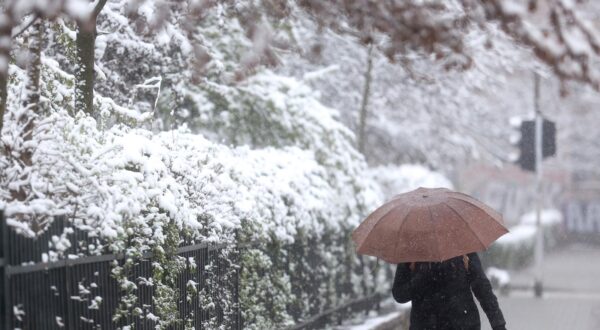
(428, 225)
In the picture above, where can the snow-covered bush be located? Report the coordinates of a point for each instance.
(131, 188)
(516, 249)
(290, 193)
(264, 166)
(316, 263)
(552, 224)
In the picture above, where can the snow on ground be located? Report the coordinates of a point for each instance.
(372, 323)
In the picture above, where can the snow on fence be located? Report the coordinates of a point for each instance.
(81, 292)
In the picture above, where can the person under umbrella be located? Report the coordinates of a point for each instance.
(433, 236)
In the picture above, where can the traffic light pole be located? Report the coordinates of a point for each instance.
(539, 242)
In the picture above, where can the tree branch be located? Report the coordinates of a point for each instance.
(98, 8)
(34, 18)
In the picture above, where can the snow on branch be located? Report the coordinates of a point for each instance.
(567, 43)
(555, 30)
(431, 26)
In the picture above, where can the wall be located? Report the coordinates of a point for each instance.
(510, 190)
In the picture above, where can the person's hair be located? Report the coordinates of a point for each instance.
(465, 259)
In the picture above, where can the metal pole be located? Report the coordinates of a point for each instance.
(539, 242)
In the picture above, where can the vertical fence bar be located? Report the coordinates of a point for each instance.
(2, 271)
(236, 286)
(202, 280)
(67, 300)
(5, 301)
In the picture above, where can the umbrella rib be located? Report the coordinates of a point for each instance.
(477, 206)
(400, 229)
(375, 226)
(466, 222)
(435, 232)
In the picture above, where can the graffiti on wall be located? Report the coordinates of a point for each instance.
(582, 217)
(513, 199)
(511, 191)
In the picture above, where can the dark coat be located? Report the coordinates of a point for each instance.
(441, 295)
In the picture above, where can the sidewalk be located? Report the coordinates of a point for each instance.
(393, 316)
(571, 296)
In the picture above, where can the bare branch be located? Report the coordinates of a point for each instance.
(98, 8)
(25, 26)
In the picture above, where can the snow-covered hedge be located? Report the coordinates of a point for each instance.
(294, 276)
(110, 180)
(264, 165)
(129, 185)
(289, 193)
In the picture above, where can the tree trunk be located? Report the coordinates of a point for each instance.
(365, 102)
(31, 99)
(84, 89)
(84, 75)
(5, 45)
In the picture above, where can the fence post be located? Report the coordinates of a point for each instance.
(69, 317)
(238, 273)
(238, 279)
(4, 285)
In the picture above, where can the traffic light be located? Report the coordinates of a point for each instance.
(526, 143)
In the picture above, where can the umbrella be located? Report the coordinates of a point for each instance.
(428, 225)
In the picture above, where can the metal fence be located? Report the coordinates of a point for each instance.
(35, 294)
(63, 294)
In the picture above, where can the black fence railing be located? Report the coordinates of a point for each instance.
(80, 292)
